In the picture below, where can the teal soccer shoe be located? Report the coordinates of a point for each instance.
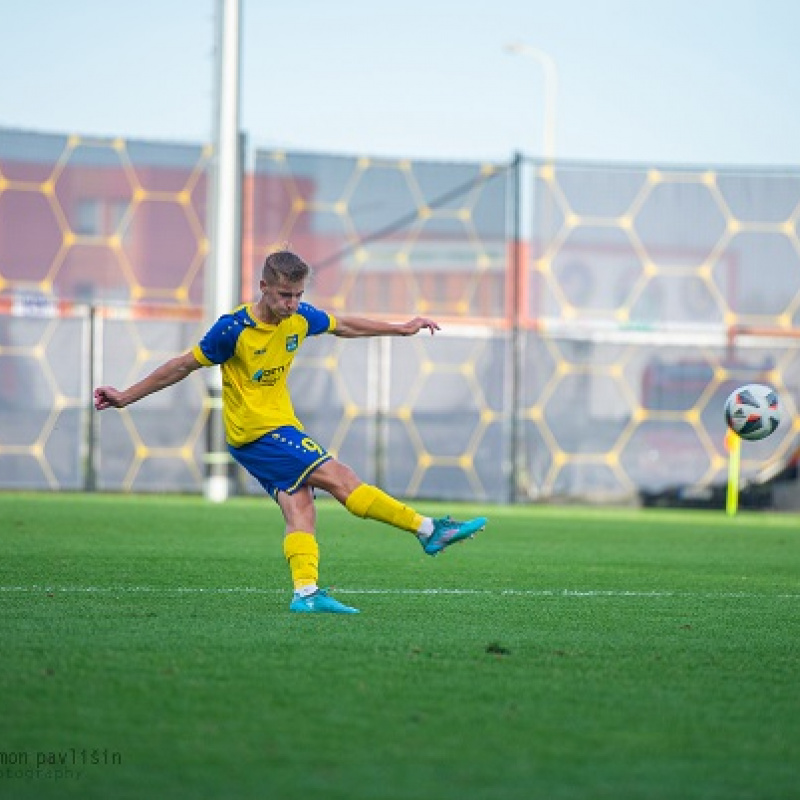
(319, 603)
(447, 531)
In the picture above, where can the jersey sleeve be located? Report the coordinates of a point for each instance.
(219, 343)
(318, 321)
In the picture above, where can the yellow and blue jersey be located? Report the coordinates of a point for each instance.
(255, 359)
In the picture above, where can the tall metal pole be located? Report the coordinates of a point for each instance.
(550, 88)
(518, 470)
(222, 277)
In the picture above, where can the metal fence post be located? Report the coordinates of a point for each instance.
(93, 332)
(516, 453)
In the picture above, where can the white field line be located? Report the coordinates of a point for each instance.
(565, 593)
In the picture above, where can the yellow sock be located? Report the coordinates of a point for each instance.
(370, 502)
(302, 553)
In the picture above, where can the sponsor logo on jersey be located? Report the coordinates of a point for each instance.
(268, 377)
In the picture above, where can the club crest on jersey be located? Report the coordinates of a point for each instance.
(291, 343)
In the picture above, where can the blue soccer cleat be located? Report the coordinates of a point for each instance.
(447, 531)
(319, 603)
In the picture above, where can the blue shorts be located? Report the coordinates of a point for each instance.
(281, 460)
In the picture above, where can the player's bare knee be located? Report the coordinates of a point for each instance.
(336, 478)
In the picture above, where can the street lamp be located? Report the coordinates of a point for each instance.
(550, 86)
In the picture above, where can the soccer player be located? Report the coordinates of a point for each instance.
(255, 346)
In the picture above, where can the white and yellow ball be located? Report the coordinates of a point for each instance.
(753, 411)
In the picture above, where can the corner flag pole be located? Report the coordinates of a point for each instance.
(222, 275)
(733, 444)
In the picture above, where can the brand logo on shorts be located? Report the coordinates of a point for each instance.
(291, 343)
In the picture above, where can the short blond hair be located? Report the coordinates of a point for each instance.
(284, 264)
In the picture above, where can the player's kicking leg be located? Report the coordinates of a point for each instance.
(370, 502)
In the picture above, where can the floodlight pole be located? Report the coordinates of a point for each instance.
(222, 276)
(548, 66)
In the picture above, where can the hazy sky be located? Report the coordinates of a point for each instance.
(667, 81)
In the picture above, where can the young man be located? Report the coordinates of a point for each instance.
(255, 346)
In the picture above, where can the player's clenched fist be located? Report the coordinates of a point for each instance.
(107, 397)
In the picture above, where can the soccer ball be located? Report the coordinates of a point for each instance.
(753, 411)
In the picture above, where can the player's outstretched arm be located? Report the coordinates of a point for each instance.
(172, 371)
(354, 327)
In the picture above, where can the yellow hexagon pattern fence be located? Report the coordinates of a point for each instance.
(591, 327)
(654, 293)
(119, 226)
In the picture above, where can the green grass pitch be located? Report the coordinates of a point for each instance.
(148, 652)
